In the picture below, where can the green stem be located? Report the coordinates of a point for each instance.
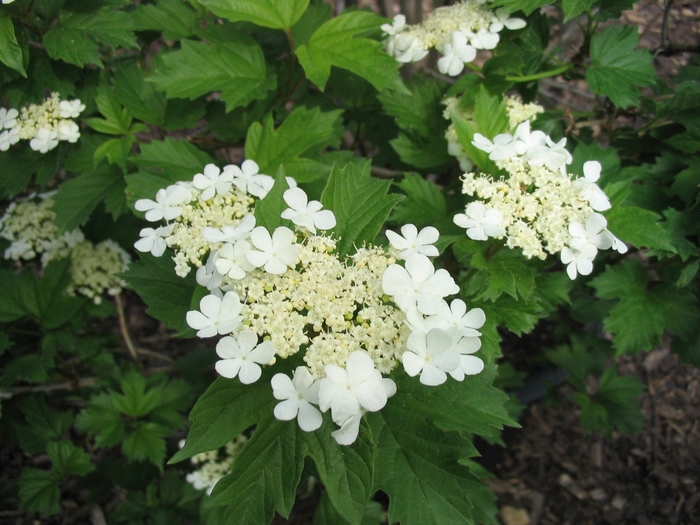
(537, 76)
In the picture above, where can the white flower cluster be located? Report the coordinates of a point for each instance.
(517, 112)
(538, 207)
(214, 202)
(214, 465)
(43, 125)
(5, 2)
(276, 293)
(30, 228)
(456, 31)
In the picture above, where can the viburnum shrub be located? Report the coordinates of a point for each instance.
(334, 248)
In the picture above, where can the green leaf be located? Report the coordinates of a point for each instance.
(305, 132)
(103, 420)
(313, 18)
(526, 6)
(336, 43)
(10, 50)
(645, 308)
(326, 514)
(38, 492)
(347, 472)
(268, 210)
(236, 68)
(424, 203)
(176, 19)
(52, 423)
(77, 198)
(56, 308)
(419, 115)
(360, 203)
(638, 227)
(18, 298)
(71, 45)
(419, 469)
(472, 405)
(617, 68)
(139, 98)
(68, 459)
(265, 474)
(179, 160)
(136, 402)
(505, 273)
(147, 442)
(225, 410)
(168, 296)
(276, 14)
(574, 8)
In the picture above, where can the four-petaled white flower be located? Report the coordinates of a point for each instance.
(213, 181)
(578, 261)
(502, 18)
(207, 275)
(68, 131)
(231, 233)
(9, 137)
(231, 260)
(397, 24)
(247, 179)
(553, 155)
(8, 118)
(298, 396)
(167, 204)
(480, 222)
(482, 39)
(217, 316)
(469, 365)
(242, 356)
(406, 48)
(70, 108)
(153, 240)
(504, 146)
(431, 355)
(455, 316)
(418, 284)
(306, 214)
(275, 254)
(414, 242)
(456, 53)
(351, 391)
(587, 189)
(44, 140)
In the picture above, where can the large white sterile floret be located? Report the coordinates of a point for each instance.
(216, 315)
(242, 356)
(168, 203)
(411, 241)
(274, 253)
(418, 284)
(298, 395)
(308, 215)
(480, 222)
(212, 181)
(153, 240)
(431, 355)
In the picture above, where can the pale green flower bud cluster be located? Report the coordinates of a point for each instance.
(456, 31)
(43, 125)
(214, 465)
(30, 228)
(517, 111)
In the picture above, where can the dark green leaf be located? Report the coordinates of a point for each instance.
(179, 160)
(617, 68)
(10, 50)
(265, 475)
(360, 203)
(68, 459)
(175, 18)
(527, 6)
(574, 8)
(424, 203)
(336, 43)
(269, 209)
(276, 14)
(38, 492)
(168, 296)
(147, 442)
(305, 132)
(236, 68)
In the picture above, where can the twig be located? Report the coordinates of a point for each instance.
(664, 22)
(67, 385)
(384, 173)
(125, 331)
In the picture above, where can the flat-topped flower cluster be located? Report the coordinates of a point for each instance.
(456, 31)
(517, 111)
(214, 465)
(29, 226)
(538, 206)
(354, 318)
(43, 125)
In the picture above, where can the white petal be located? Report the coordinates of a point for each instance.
(250, 372)
(309, 418)
(228, 368)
